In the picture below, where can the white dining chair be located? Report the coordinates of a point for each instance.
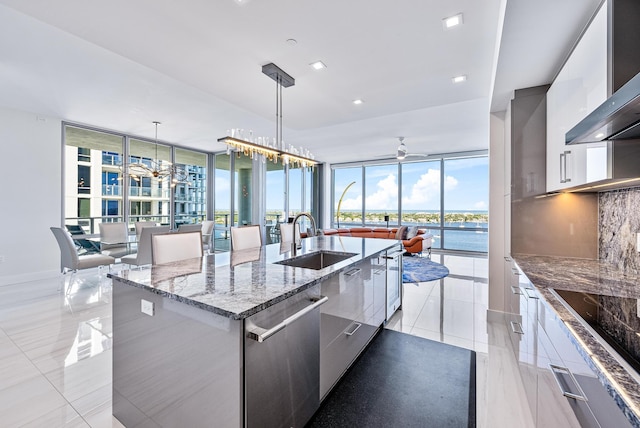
(188, 227)
(139, 225)
(245, 237)
(113, 239)
(174, 247)
(207, 234)
(69, 258)
(143, 256)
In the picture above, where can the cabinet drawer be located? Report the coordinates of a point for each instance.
(338, 355)
(348, 296)
(575, 384)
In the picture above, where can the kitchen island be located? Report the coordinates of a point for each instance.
(188, 349)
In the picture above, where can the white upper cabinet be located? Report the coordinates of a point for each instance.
(579, 88)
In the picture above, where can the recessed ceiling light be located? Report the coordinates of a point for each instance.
(358, 102)
(292, 42)
(452, 21)
(599, 135)
(459, 79)
(318, 65)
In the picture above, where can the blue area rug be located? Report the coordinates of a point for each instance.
(421, 269)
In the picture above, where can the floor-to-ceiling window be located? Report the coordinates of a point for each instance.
(275, 197)
(222, 201)
(99, 187)
(190, 200)
(381, 194)
(347, 197)
(446, 195)
(299, 200)
(421, 203)
(92, 177)
(149, 197)
(243, 190)
(95, 180)
(466, 204)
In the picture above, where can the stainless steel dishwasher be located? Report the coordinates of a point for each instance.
(282, 362)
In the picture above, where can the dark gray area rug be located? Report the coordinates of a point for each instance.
(404, 381)
(421, 269)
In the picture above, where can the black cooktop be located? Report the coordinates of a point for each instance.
(615, 319)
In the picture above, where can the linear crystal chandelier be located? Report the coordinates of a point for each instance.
(265, 148)
(156, 168)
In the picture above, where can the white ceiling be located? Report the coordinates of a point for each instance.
(195, 66)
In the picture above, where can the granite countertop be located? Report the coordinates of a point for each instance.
(596, 277)
(241, 283)
(588, 276)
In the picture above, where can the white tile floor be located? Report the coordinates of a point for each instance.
(55, 346)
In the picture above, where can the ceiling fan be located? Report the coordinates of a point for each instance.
(403, 152)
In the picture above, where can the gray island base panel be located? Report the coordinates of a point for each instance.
(179, 329)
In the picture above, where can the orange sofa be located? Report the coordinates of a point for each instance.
(421, 242)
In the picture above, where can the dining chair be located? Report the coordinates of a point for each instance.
(287, 232)
(113, 239)
(139, 225)
(69, 258)
(245, 237)
(188, 227)
(143, 256)
(173, 247)
(207, 234)
(79, 239)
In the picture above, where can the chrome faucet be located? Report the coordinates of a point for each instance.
(296, 235)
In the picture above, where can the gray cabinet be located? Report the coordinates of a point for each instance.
(344, 330)
(579, 395)
(528, 142)
(562, 389)
(579, 88)
(349, 319)
(522, 328)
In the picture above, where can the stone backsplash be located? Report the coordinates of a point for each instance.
(619, 222)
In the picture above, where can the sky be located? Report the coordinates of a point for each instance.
(466, 186)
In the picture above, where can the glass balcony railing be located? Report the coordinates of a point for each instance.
(111, 190)
(149, 192)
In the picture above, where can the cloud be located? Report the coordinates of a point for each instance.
(481, 205)
(384, 198)
(425, 192)
(427, 189)
(386, 195)
(352, 204)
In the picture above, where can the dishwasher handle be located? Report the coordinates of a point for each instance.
(260, 334)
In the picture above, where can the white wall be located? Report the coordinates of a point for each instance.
(497, 177)
(31, 151)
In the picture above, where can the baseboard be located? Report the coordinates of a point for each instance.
(28, 277)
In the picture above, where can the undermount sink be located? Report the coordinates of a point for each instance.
(317, 260)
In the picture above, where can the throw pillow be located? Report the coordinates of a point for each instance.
(412, 231)
(401, 233)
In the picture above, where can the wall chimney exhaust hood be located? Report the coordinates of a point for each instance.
(618, 118)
